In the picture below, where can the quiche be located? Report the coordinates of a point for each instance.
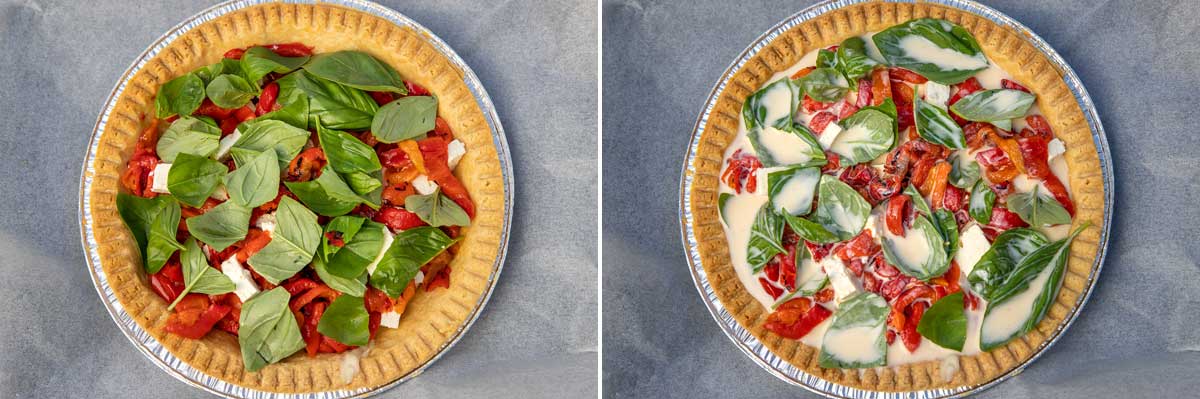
(902, 199)
(299, 198)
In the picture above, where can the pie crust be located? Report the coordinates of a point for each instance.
(433, 318)
(1014, 54)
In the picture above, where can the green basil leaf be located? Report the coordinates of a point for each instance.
(786, 146)
(295, 114)
(257, 62)
(343, 227)
(936, 126)
(810, 276)
(766, 238)
(944, 323)
(921, 252)
(1041, 270)
(230, 91)
(437, 209)
(192, 179)
(207, 74)
(346, 321)
(862, 313)
(268, 331)
(346, 154)
(865, 136)
(964, 172)
(918, 200)
(947, 228)
(179, 96)
(406, 118)
(1037, 209)
(827, 59)
(285, 139)
(363, 183)
(792, 190)
(824, 85)
(410, 250)
(840, 209)
(255, 182)
(337, 106)
(198, 276)
(292, 245)
(852, 59)
(773, 105)
(721, 200)
(993, 105)
(982, 201)
(1007, 251)
(350, 286)
(937, 49)
(221, 226)
(352, 259)
(229, 66)
(327, 194)
(188, 135)
(810, 231)
(153, 223)
(358, 70)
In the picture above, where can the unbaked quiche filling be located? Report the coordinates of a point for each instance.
(297, 201)
(897, 198)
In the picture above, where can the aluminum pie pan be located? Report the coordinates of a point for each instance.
(146, 343)
(759, 353)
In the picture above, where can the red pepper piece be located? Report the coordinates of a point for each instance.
(846, 110)
(824, 295)
(235, 54)
(382, 97)
(442, 129)
(377, 301)
(819, 121)
(971, 85)
(796, 318)
(864, 93)
(1003, 219)
(871, 283)
(136, 177)
(955, 199)
(433, 150)
(881, 85)
(803, 72)
(1011, 85)
(811, 105)
(772, 268)
(818, 251)
(207, 108)
(194, 322)
(255, 241)
(912, 339)
(320, 291)
(168, 282)
(244, 113)
(905, 75)
(299, 285)
(997, 165)
(861, 245)
(897, 212)
(439, 280)
(294, 49)
(886, 270)
(398, 219)
(308, 330)
(266, 100)
(787, 268)
(415, 89)
(771, 290)
(335, 239)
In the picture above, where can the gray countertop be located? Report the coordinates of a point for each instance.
(1139, 335)
(537, 337)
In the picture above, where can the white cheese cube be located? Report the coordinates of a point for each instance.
(227, 144)
(243, 283)
(387, 242)
(1055, 149)
(839, 278)
(937, 94)
(220, 194)
(389, 319)
(828, 135)
(160, 178)
(454, 153)
(266, 223)
(974, 244)
(423, 185)
(420, 277)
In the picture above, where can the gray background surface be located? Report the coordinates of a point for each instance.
(537, 337)
(1139, 335)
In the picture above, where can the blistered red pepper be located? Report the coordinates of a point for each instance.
(1009, 84)
(1003, 219)
(881, 85)
(803, 72)
(820, 121)
(168, 282)
(811, 105)
(433, 150)
(266, 100)
(195, 316)
(290, 49)
(864, 93)
(996, 164)
(415, 89)
(897, 212)
(207, 108)
(905, 75)
(312, 338)
(955, 199)
(771, 289)
(398, 219)
(966, 88)
(796, 318)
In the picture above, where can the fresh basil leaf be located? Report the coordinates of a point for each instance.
(230, 66)
(363, 183)
(792, 190)
(337, 106)
(1007, 251)
(721, 200)
(964, 172)
(936, 126)
(350, 286)
(862, 314)
(406, 118)
(343, 227)
(198, 276)
(437, 209)
(192, 179)
(327, 194)
(410, 250)
(255, 182)
(1041, 270)
(918, 200)
(346, 154)
(982, 201)
(268, 331)
(1036, 209)
(993, 105)
(346, 321)
(230, 91)
(827, 59)
(840, 209)
(921, 252)
(773, 105)
(944, 323)
(153, 222)
(865, 136)
(179, 96)
(786, 146)
(937, 49)
(947, 228)
(221, 226)
(207, 74)
(813, 281)
(809, 230)
(358, 70)
(188, 135)
(285, 139)
(295, 114)
(257, 62)
(766, 238)
(352, 259)
(852, 59)
(824, 85)
(292, 245)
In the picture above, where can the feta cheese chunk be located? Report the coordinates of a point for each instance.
(420, 277)
(423, 185)
(839, 278)
(227, 144)
(266, 222)
(1055, 149)
(387, 242)
(243, 284)
(220, 194)
(160, 178)
(937, 94)
(389, 319)
(454, 153)
(974, 244)
(828, 135)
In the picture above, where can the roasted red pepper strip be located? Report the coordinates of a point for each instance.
(820, 121)
(897, 212)
(266, 100)
(912, 339)
(299, 285)
(905, 75)
(290, 49)
(1008, 84)
(415, 89)
(803, 72)
(1034, 152)
(235, 54)
(796, 318)
(312, 338)
(201, 325)
(997, 165)
(320, 291)
(881, 85)
(434, 152)
(207, 108)
(398, 219)
(168, 282)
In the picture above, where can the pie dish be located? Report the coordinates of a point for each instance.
(731, 273)
(431, 320)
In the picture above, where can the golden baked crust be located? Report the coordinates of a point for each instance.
(1014, 54)
(433, 318)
